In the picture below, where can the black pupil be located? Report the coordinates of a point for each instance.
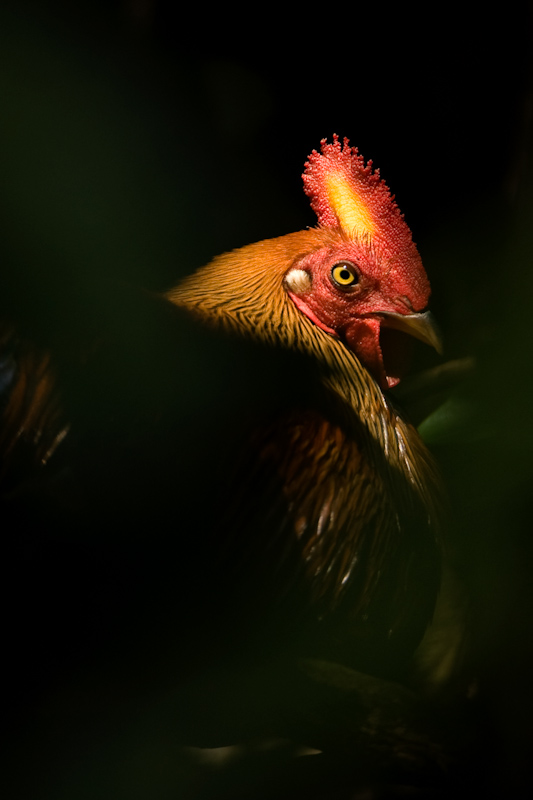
(346, 274)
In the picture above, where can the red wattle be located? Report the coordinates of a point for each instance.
(362, 336)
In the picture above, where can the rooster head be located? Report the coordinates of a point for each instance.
(366, 281)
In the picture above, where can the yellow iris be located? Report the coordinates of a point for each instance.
(344, 274)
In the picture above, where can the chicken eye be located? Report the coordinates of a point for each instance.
(344, 274)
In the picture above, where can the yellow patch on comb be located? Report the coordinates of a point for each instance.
(352, 212)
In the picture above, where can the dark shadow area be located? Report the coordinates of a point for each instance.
(138, 141)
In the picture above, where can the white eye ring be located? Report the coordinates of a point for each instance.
(298, 280)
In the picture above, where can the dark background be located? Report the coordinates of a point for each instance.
(140, 139)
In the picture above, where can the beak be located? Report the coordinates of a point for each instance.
(421, 326)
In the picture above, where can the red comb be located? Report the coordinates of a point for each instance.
(345, 193)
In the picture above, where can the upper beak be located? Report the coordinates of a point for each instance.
(421, 326)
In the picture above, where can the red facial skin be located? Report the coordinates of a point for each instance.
(353, 313)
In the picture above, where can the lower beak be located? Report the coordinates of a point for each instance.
(420, 326)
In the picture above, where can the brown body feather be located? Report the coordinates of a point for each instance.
(32, 425)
